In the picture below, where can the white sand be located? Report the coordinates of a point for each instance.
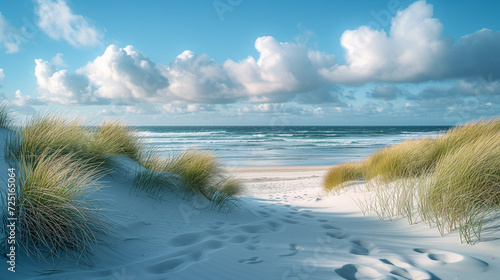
(285, 228)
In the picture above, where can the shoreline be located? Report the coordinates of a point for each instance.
(278, 167)
(259, 180)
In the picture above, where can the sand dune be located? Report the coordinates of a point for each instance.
(284, 228)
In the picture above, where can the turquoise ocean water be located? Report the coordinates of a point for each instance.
(282, 145)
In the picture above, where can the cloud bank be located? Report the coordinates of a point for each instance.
(412, 50)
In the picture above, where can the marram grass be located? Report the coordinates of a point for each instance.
(340, 174)
(198, 171)
(55, 213)
(60, 161)
(409, 158)
(69, 136)
(466, 186)
(452, 181)
(50, 133)
(116, 138)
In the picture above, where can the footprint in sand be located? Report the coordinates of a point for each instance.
(184, 257)
(356, 272)
(449, 258)
(165, 266)
(253, 260)
(338, 234)
(265, 227)
(186, 239)
(361, 247)
(294, 249)
(407, 271)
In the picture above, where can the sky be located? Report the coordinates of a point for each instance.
(241, 62)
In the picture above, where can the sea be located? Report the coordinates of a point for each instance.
(282, 145)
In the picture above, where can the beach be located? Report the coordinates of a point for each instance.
(285, 227)
(242, 140)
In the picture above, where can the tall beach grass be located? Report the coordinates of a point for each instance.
(199, 171)
(97, 146)
(50, 133)
(451, 181)
(116, 138)
(55, 214)
(60, 162)
(337, 177)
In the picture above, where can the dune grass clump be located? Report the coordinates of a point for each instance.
(55, 213)
(98, 147)
(202, 172)
(153, 179)
(452, 181)
(196, 167)
(52, 133)
(409, 158)
(198, 171)
(340, 174)
(465, 187)
(117, 138)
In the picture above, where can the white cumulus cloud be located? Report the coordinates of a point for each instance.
(412, 50)
(60, 86)
(280, 68)
(58, 21)
(124, 75)
(198, 79)
(21, 99)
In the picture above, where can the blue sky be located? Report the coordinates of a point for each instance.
(240, 62)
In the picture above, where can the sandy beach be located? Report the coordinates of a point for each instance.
(284, 228)
(249, 140)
